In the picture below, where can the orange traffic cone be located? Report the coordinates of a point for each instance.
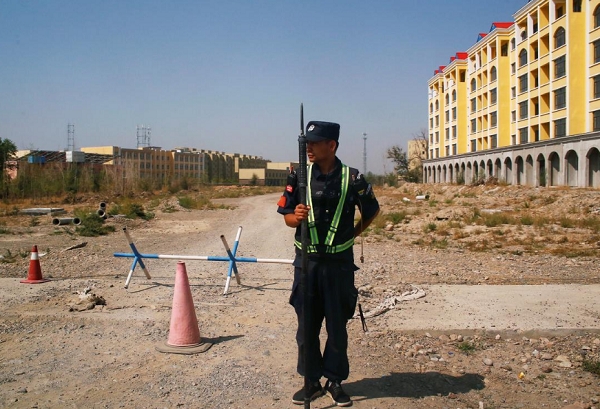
(35, 270)
(184, 334)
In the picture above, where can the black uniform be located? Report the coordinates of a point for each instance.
(330, 284)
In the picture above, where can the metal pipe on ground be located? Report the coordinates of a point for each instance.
(103, 205)
(61, 221)
(102, 213)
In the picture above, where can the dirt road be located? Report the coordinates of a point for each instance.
(460, 346)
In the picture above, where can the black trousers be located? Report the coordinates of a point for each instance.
(333, 297)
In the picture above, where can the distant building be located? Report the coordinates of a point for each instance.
(158, 164)
(275, 174)
(417, 153)
(523, 103)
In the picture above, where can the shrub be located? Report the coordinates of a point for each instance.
(591, 366)
(92, 225)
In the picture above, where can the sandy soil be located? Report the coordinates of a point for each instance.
(494, 329)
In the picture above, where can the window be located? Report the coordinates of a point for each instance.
(473, 145)
(437, 105)
(473, 105)
(523, 35)
(513, 116)
(512, 43)
(447, 116)
(437, 137)
(559, 67)
(463, 75)
(560, 98)
(447, 99)
(504, 50)
(559, 37)
(437, 120)
(596, 51)
(493, 74)
(536, 134)
(473, 125)
(522, 58)
(523, 83)
(454, 132)
(454, 114)
(494, 119)
(437, 152)
(597, 17)
(454, 149)
(513, 92)
(493, 96)
(430, 108)
(473, 85)
(596, 121)
(577, 6)
(494, 141)
(447, 134)
(523, 110)
(560, 128)
(597, 86)
(454, 96)
(523, 135)
(559, 12)
(431, 122)
(513, 68)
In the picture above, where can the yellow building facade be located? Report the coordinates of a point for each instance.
(525, 83)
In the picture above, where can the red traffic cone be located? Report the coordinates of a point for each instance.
(184, 334)
(35, 270)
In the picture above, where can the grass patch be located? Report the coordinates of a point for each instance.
(591, 366)
(574, 252)
(466, 347)
(592, 223)
(566, 222)
(4, 229)
(395, 217)
(439, 244)
(527, 220)
(429, 227)
(383, 219)
(496, 219)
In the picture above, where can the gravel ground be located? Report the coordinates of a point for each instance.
(57, 353)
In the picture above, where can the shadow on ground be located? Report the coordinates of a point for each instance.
(413, 385)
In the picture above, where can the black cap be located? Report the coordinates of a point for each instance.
(317, 131)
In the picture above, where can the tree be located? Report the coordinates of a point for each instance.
(400, 159)
(7, 152)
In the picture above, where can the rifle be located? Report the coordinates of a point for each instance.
(302, 183)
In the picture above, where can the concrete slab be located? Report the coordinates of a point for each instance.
(541, 308)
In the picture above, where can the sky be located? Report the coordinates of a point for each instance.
(229, 75)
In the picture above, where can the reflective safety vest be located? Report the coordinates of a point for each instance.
(314, 238)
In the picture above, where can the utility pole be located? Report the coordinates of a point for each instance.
(365, 154)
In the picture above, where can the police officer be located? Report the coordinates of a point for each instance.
(333, 192)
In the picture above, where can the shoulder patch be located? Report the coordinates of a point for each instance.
(289, 188)
(282, 201)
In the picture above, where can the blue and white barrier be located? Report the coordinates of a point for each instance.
(231, 258)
